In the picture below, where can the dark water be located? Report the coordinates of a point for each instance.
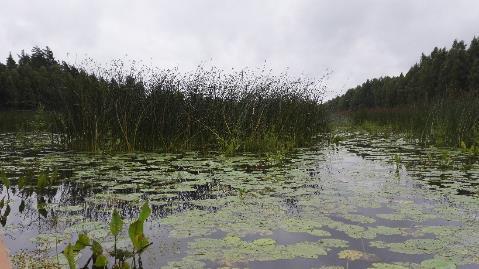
(368, 202)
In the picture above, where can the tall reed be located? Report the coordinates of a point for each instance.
(152, 109)
(448, 122)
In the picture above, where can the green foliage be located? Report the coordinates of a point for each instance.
(96, 248)
(116, 110)
(437, 100)
(145, 212)
(70, 255)
(99, 256)
(42, 181)
(135, 230)
(4, 179)
(116, 224)
(82, 242)
(101, 261)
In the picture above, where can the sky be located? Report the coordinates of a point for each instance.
(353, 40)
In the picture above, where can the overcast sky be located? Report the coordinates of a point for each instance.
(356, 39)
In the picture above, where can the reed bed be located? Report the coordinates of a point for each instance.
(445, 122)
(122, 109)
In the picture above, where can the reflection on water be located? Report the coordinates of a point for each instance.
(368, 202)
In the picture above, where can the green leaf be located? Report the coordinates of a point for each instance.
(70, 255)
(116, 224)
(42, 181)
(101, 261)
(123, 265)
(135, 231)
(5, 180)
(144, 212)
(21, 182)
(82, 242)
(2, 202)
(96, 248)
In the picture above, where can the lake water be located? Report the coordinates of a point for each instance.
(365, 202)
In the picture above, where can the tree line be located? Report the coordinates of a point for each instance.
(437, 100)
(444, 73)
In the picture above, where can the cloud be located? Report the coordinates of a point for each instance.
(357, 40)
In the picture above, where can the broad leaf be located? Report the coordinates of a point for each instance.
(144, 212)
(70, 255)
(101, 261)
(82, 242)
(116, 224)
(135, 231)
(5, 180)
(96, 248)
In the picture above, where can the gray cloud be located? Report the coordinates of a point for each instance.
(356, 39)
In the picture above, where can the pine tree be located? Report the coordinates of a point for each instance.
(11, 64)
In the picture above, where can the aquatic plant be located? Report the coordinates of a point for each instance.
(315, 204)
(99, 256)
(117, 108)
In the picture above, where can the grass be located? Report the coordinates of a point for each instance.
(164, 110)
(25, 121)
(451, 122)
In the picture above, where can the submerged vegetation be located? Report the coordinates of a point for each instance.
(122, 109)
(437, 100)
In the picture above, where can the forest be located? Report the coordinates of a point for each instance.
(437, 99)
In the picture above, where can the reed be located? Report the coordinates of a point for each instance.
(445, 122)
(207, 109)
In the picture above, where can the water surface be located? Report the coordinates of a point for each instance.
(366, 202)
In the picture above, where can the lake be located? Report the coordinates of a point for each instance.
(368, 201)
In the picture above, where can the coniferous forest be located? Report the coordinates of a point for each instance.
(437, 100)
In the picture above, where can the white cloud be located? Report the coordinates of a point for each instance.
(356, 39)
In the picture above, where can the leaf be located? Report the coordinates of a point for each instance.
(144, 212)
(142, 242)
(135, 231)
(82, 242)
(96, 248)
(21, 182)
(5, 180)
(2, 202)
(116, 224)
(42, 181)
(70, 255)
(101, 261)
(438, 263)
(122, 265)
(354, 255)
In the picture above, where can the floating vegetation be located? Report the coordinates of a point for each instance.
(355, 255)
(332, 205)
